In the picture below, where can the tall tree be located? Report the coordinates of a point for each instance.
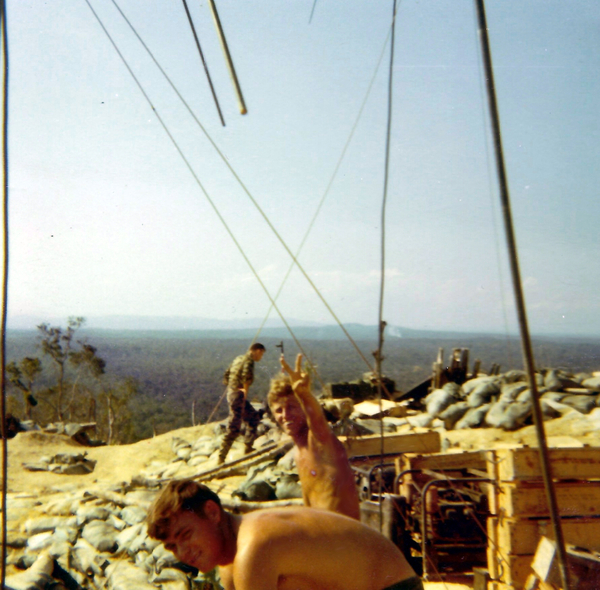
(56, 344)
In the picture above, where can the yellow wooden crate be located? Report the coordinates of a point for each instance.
(529, 500)
(425, 442)
(520, 536)
(524, 463)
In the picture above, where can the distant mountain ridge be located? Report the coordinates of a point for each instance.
(246, 329)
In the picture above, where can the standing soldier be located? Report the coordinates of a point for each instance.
(239, 377)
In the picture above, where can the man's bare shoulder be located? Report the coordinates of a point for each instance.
(297, 522)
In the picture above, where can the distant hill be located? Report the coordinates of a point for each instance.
(246, 329)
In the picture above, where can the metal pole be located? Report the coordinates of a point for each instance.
(3, 425)
(519, 297)
(212, 89)
(221, 34)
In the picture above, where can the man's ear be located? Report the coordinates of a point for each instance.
(212, 511)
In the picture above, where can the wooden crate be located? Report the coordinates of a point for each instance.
(523, 499)
(524, 464)
(436, 461)
(426, 442)
(520, 536)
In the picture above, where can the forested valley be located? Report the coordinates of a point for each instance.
(136, 384)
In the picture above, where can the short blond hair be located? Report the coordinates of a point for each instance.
(280, 388)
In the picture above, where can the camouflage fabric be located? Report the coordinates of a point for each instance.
(240, 410)
(240, 372)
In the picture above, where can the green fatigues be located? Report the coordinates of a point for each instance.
(240, 372)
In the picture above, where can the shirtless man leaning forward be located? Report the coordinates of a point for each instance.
(325, 474)
(276, 549)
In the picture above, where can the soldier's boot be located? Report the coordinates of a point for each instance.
(224, 450)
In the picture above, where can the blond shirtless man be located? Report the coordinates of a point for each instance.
(325, 474)
(276, 549)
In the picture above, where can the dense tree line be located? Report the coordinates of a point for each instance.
(168, 380)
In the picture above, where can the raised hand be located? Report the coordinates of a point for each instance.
(300, 380)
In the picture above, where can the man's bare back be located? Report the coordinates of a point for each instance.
(275, 549)
(325, 473)
(303, 548)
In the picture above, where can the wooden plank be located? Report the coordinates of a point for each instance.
(520, 536)
(426, 442)
(573, 499)
(437, 461)
(566, 463)
(544, 562)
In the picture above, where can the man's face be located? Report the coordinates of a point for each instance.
(288, 413)
(257, 354)
(197, 541)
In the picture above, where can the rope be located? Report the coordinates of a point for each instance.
(4, 284)
(189, 16)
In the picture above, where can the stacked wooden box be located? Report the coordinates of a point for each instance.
(519, 513)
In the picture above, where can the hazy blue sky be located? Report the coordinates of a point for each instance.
(105, 218)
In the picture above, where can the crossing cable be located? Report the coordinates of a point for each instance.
(189, 16)
(3, 426)
(189, 166)
(240, 182)
(333, 177)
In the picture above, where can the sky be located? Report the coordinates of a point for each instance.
(106, 218)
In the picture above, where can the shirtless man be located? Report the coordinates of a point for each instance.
(325, 474)
(276, 549)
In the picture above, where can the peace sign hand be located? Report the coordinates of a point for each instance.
(300, 380)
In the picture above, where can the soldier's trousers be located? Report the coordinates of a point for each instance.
(240, 410)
